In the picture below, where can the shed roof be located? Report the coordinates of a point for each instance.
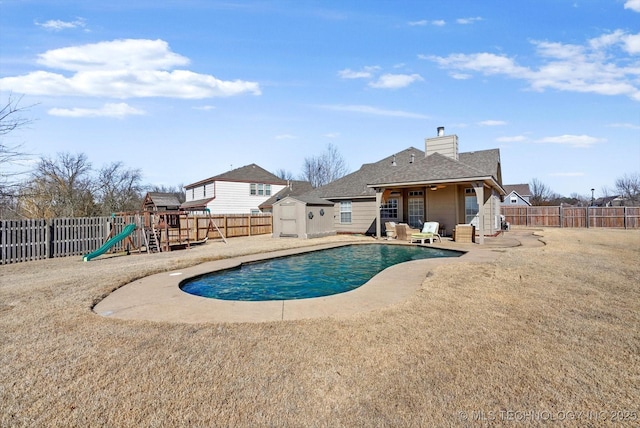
(160, 199)
(308, 199)
(294, 188)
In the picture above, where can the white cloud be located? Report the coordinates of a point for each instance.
(624, 125)
(395, 81)
(366, 72)
(492, 123)
(205, 108)
(424, 22)
(514, 139)
(374, 111)
(465, 21)
(117, 110)
(633, 5)
(632, 44)
(578, 141)
(123, 69)
(332, 135)
(125, 54)
(57, 25)
(595, 67)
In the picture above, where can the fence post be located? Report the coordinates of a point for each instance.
(587, 217)
(624, 216)
(48, 233)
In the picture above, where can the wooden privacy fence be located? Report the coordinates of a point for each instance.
(558, 216)
(26, 240)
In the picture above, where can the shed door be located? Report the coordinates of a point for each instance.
(288, 220)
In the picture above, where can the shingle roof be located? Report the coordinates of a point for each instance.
(295, 187)
(197, 204)
(311, 200)
(520, 189)
(434, 168)
(247, 174)
(355, 185)
(162, 199)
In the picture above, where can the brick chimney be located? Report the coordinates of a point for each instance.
(446, 145)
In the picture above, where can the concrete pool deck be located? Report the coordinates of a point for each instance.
(159, 298)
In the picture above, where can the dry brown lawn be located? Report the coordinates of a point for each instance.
(537, 334)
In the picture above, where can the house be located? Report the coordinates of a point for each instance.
(293, 188)
(413, 186)
(517, 195)
(239, 191)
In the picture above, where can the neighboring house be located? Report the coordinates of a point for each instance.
(517, 194)
(413, 186)
(293, 188)
(239, 191)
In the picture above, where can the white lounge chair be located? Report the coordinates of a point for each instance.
(429, 231)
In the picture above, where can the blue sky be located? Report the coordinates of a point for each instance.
(185, 90)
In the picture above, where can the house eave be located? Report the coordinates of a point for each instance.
(486, 179)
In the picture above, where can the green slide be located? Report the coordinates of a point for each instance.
(111, 242)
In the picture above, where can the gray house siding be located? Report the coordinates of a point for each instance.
(363, 215)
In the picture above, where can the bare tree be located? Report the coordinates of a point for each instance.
(629, 187)
(284, 174)
(12, 118)
(118, 189)
(60, 187)
(323, 169)
(541, 194)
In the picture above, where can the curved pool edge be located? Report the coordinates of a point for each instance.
(159, 298)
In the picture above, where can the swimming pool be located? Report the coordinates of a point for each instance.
(302, 276)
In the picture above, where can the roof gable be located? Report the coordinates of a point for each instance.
(161, 200)
(294, 188)
(520, 189)
(246, 174)
(417, 169)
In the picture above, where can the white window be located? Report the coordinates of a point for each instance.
(389, 210)
(416, 211)
(514, 200)
(471, 208)
(345, 212)
(260, 189)
(255, 212)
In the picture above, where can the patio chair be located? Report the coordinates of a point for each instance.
(405, 231)
(429, 231)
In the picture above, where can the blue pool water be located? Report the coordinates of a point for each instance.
(314, 274)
